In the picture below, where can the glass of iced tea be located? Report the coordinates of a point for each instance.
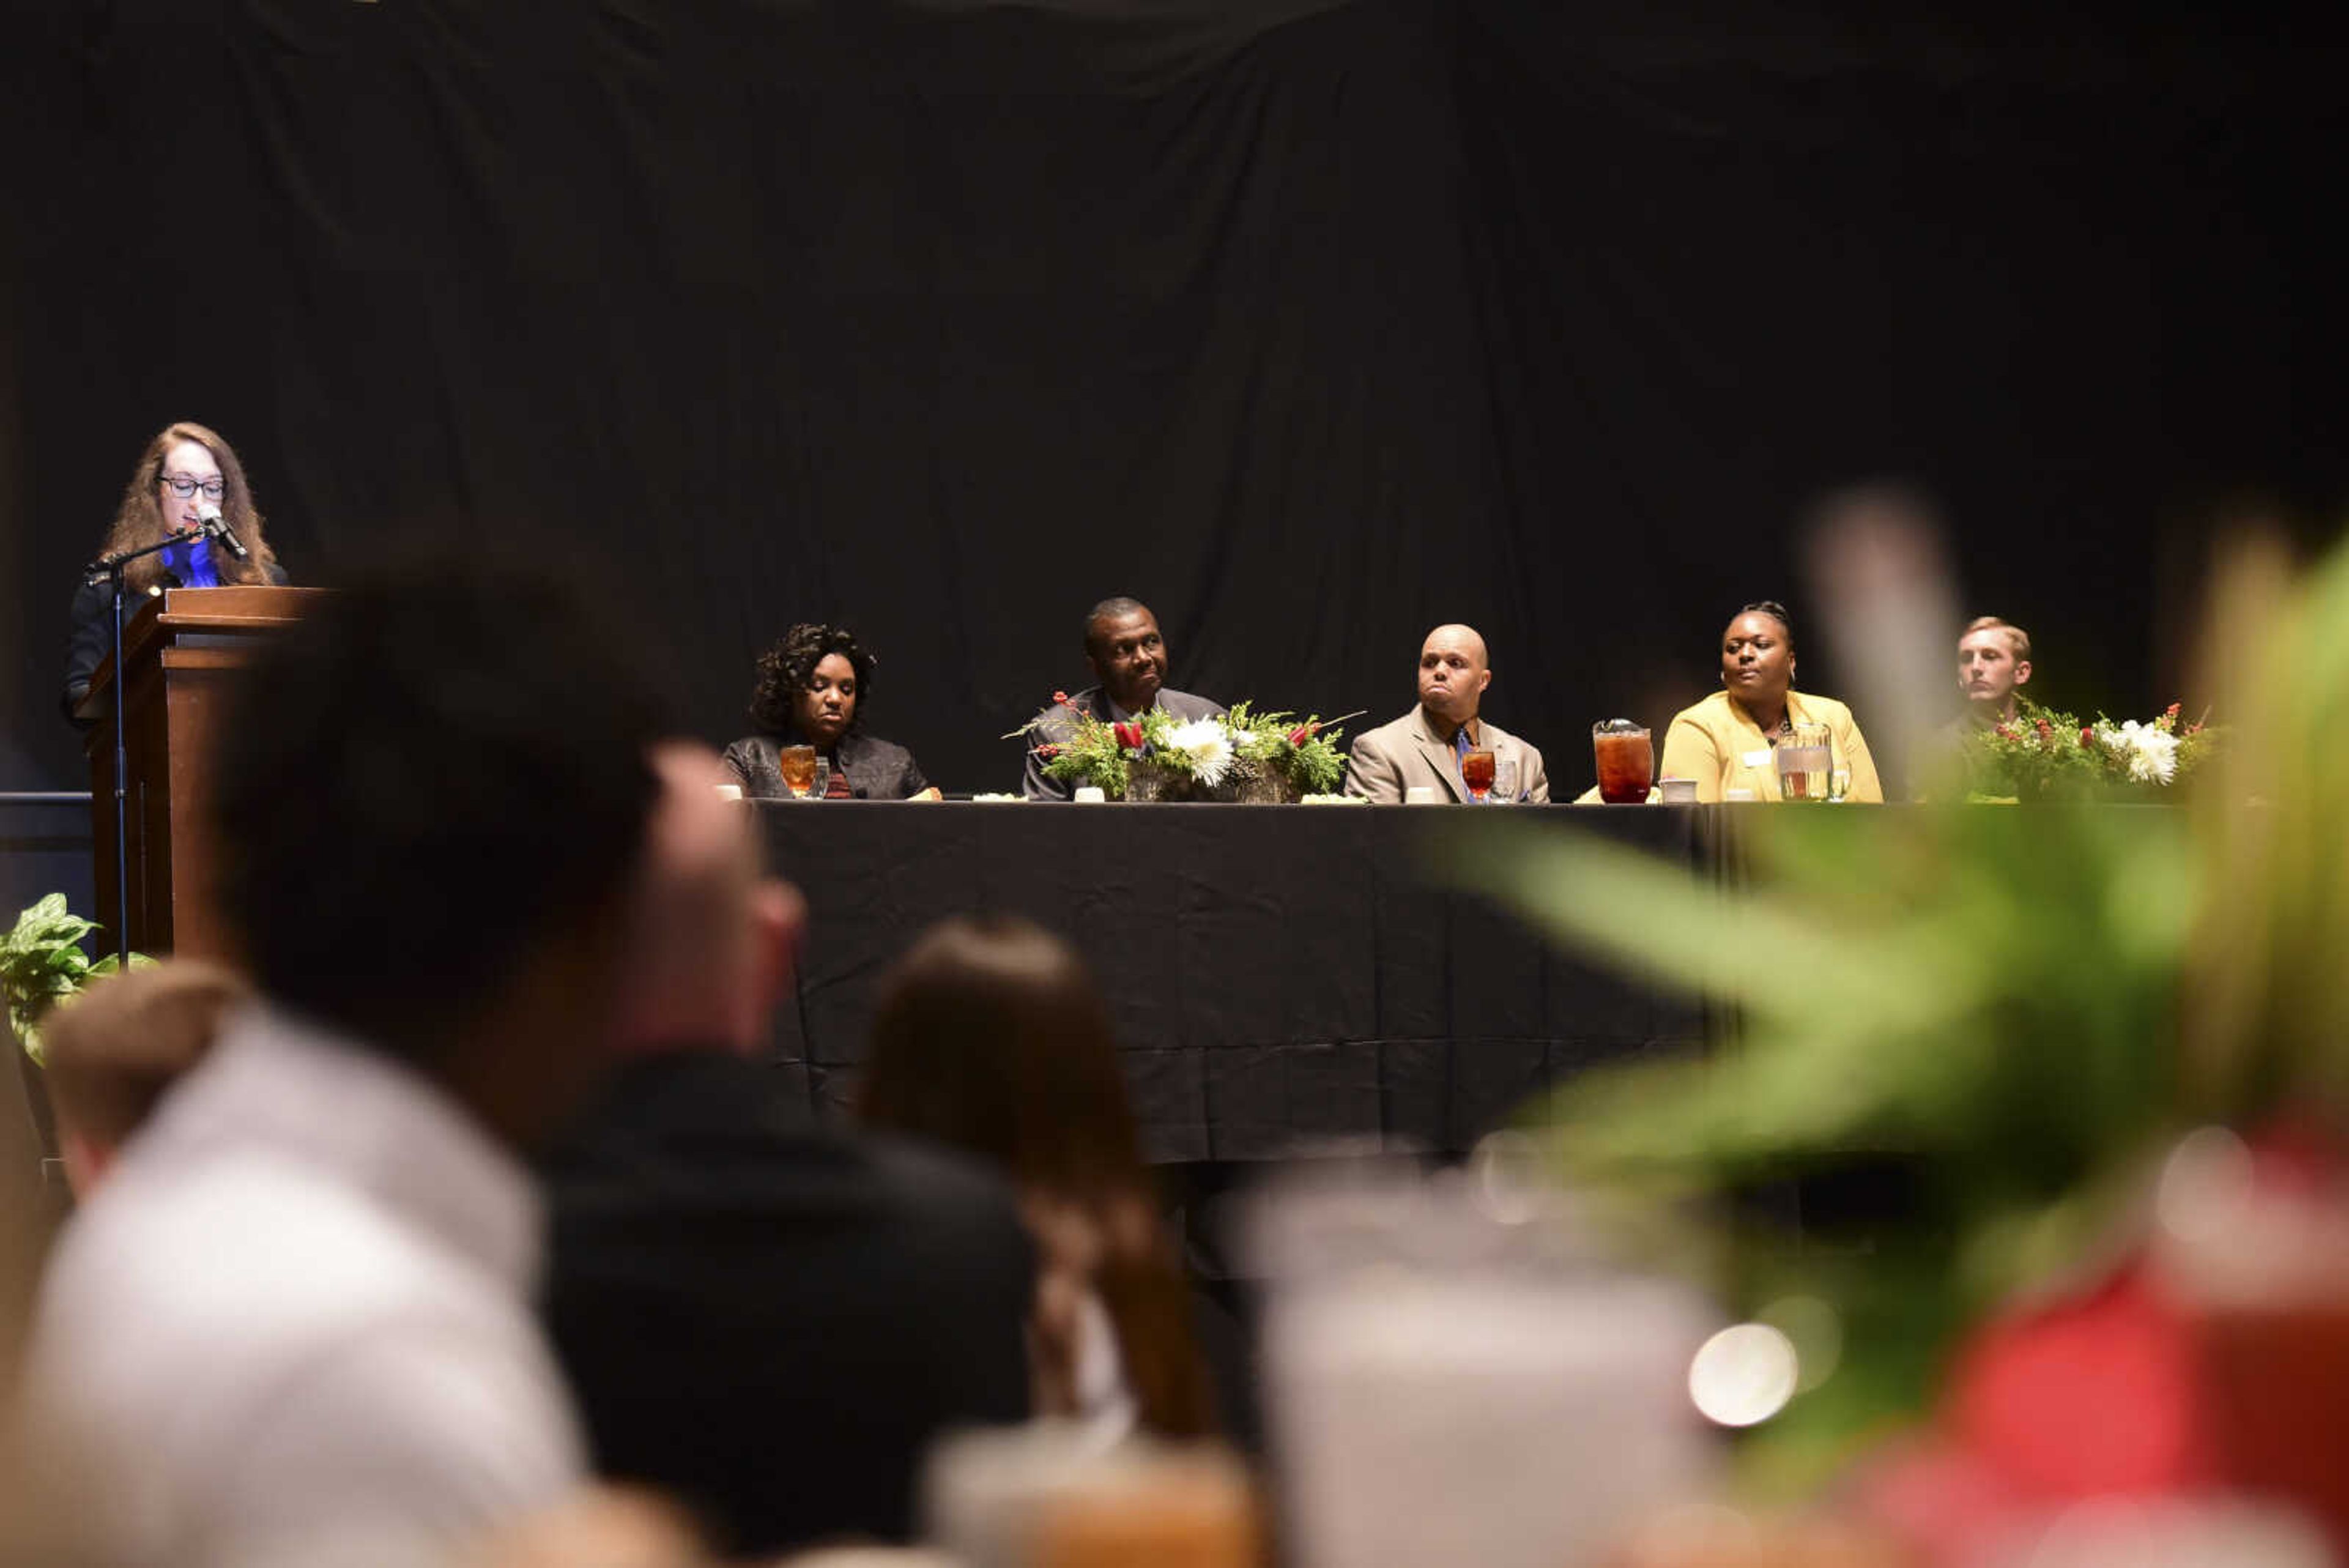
(1626, 759)
(1476, 773)
(798, 765)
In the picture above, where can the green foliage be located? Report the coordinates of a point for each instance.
(2048, 754)
(43, 965)
(1302, 750)
(1978, 1006)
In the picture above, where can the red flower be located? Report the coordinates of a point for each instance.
(1129, 735)
(2170, 711)
(1048, 750)
(2006, 732)
(2087, 734)
(2046, 730)
(1062, 698)
(1302, 734)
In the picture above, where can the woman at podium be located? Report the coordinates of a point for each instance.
(186, 476)
(811, 696)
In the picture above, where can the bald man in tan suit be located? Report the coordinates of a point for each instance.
(1424, 746)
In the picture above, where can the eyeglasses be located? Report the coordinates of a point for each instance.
(184, 488)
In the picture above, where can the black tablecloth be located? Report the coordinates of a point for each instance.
(1280, 977)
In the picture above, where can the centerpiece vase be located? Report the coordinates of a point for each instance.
(1149, 782)
(1252, 783)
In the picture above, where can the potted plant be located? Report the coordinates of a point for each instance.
(42, 966)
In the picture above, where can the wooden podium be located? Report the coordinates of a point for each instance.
(183, 650)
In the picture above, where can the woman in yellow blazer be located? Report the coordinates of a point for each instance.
(1724, 742)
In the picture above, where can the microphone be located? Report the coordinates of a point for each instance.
(209, 520)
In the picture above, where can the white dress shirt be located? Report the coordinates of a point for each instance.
(293, 1325)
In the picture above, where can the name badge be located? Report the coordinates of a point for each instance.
(1760, 759)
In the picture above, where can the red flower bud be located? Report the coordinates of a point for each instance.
(2087, 734)
(1048, 750)
(2006, 732)
(2170, 711)
(1129, 735)
(1302, 734)
(1062, 698)
(2046, 730)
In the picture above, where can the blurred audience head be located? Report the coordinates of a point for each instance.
(992, 1038)
(1993, 659)
(711, 945)
(113, 1053)
(430, 798)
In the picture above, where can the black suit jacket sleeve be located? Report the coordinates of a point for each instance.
(89, 643)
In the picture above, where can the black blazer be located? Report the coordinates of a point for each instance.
(773, 1322)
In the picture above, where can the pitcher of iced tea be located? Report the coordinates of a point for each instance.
(1626, 760)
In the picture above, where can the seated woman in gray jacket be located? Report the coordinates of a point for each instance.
(811, 692)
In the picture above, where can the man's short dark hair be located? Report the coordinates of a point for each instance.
(1110, 610)
(440, 768)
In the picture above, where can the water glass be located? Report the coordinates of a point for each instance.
(1505, 782)
(1804, 757)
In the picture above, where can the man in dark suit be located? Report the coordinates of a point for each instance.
(772, 1322)
(1128, 656)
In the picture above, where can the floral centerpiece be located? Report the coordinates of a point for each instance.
(1156, 756)
(1277, 756)
(2045, 754)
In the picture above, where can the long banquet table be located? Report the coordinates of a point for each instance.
(1281, 977)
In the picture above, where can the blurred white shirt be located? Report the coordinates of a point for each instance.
(293, 1325)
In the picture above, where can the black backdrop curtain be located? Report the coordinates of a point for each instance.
(1311, 324)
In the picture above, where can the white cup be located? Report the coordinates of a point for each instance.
(1737, 795)
(1678, 791)
(1089, 794)
(730, 792)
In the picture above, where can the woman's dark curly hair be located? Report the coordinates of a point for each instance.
(785, 670)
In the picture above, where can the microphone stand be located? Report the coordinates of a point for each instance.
(111, 568)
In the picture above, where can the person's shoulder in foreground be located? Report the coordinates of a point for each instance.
(771, 1322)
(774, 1321)
(303, 1279)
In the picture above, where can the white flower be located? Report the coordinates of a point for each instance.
(1205, 749)
(2152, 752)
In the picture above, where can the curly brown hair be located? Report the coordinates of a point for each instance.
(785, 670)
(139, 521)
